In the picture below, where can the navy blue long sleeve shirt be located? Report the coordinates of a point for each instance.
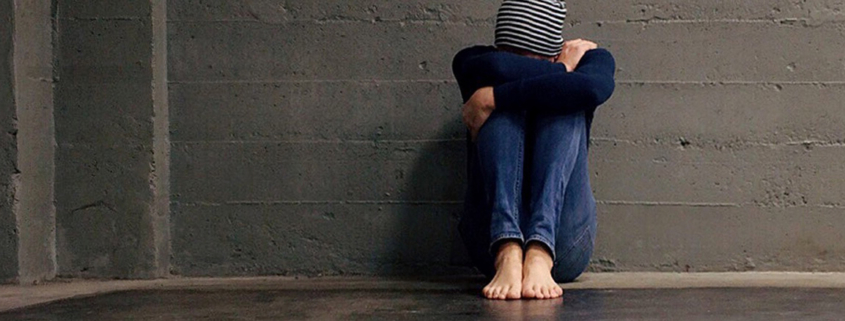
(532, 84)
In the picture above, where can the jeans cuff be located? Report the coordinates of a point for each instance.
(504, 236)
(546, 242)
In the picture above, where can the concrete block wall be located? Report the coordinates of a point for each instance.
(27, 215)
(324, 137)
(316, 137)
(34, 192)
(263, 137)
(111, 166)
(719, 150)
(8, 146)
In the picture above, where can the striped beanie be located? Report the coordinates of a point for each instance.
(532, 25)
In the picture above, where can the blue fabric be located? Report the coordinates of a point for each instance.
(527, 171)
(531, 84)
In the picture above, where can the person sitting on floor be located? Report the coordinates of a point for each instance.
(530, 214)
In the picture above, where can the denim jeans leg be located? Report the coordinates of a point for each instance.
(576, 232)
(493, 199)
(554, 141)
(500, 145)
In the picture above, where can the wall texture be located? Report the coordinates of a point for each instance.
(110, 218)
(719, 150)
(33, 61)
(323, 137)
(8, 146)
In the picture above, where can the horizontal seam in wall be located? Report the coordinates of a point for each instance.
(452, 81)
(271, 81)
(685, 204)
(460, 202)
(365, 142)
(730, 82)
(803, 143)
(350, 202)
(788, 21)
(462, 22)
(90, 19)
(468, 21)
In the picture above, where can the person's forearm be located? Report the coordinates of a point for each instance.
(467, 79)
(522, 82)
(590, 85)
(499, 67)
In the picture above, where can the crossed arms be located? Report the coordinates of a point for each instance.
(504, 80)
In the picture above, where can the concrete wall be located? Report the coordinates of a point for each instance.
(34, 102)
(720, 150)
(27, 239)
(110, 218)
(8, 146)
(324, 137)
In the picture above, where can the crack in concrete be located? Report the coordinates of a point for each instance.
(96, 204)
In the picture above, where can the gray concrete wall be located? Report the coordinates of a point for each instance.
(324, 137)
(109, 213)
(8, 147)
(34, 208)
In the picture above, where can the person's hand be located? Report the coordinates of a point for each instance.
(573, 51)
(477, 109)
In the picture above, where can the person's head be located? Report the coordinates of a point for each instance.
(532, 28)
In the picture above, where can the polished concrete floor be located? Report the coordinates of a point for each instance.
(445, 304)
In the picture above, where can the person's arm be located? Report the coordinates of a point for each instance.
(501, 67)
(521, 82)
(468, 80)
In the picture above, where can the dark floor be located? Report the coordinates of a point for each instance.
(690, 304)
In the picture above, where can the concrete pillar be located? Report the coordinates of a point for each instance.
(8, 147)
(112, 168)
(27, 215)
(33, 62)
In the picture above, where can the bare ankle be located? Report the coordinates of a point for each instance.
(538, 251)
(509, 250)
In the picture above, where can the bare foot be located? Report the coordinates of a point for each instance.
(537, 281)
(507, 284)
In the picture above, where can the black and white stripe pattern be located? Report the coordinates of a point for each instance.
(532, 25)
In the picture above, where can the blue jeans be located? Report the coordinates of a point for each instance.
(529, 182)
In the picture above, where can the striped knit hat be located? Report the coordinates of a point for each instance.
(532, 25)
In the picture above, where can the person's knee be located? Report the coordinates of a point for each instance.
(505, 120)
(571, 265)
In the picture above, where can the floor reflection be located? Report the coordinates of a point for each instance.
(523, 309)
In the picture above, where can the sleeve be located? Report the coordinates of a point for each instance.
(588, 86)
(522, 82)
(499, 67)
(466, 78)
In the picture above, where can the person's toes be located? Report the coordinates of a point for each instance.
(501, 295)
(486, 292)
(547, 293)
(513, 293)
(528, 292)
(532, 293)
